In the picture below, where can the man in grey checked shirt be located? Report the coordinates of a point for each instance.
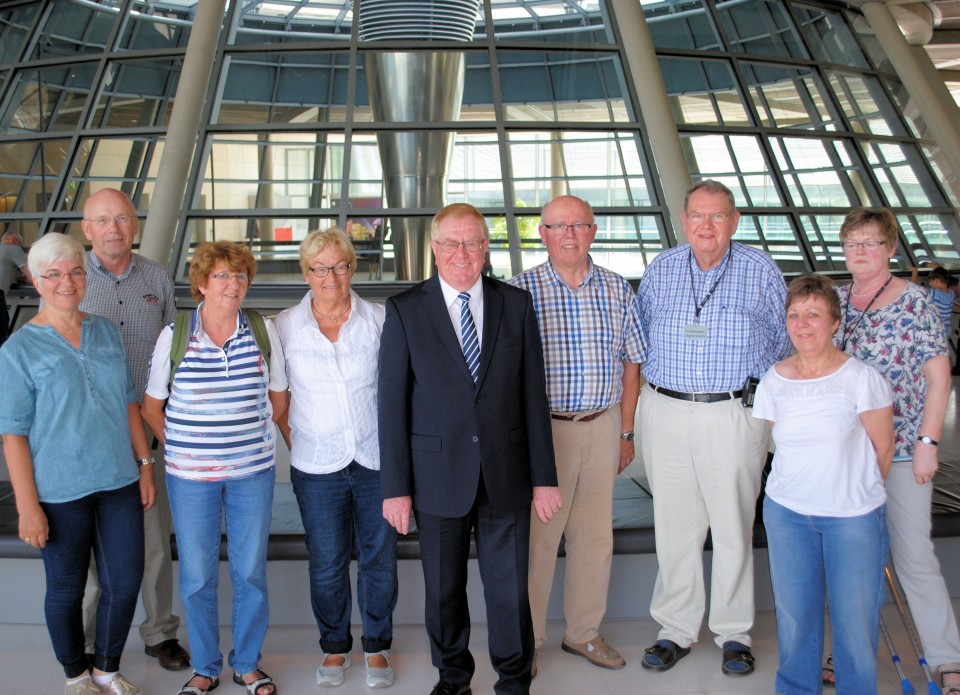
(137, 295)
(592, 343)
(714, 312)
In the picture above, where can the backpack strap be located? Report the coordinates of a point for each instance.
(182, 325)
(259, 330)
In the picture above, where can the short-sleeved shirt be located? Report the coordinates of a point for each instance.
(140, 303)
(741, 330)
(943, 301)
(824, 464)
(218, 420)
(896, 340)
(12, 259)
(333, 387)
(587, 333)
(72, 406)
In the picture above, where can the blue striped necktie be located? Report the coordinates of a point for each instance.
(468, 333)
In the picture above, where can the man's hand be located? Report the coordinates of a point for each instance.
(547, 502)
(396, 510)
(626, 455)
(148, 487)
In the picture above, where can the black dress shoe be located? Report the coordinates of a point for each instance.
(170, 654)
(448, 688)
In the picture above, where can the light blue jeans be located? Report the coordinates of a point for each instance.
(840, 559)
(198, 508)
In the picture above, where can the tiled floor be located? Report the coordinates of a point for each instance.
(291, 653)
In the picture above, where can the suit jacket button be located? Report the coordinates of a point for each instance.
(476, 439)
(476, 401)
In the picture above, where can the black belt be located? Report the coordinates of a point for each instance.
(577, 417)
(698, 397)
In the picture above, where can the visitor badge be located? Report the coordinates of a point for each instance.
(694, 331)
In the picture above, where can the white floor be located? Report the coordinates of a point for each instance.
(28, 667)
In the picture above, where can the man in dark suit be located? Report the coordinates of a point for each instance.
(465, 444)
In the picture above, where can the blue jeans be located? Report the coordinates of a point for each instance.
(110, 523)
(840, 559)
(341, 511)
(197, 507)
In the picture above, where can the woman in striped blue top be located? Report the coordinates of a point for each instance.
(219, 442)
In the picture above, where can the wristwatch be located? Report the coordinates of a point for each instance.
(927, 440)
(146, 462)
(626, 436)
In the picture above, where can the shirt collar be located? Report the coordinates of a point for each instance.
(94, 259)
(557, 280)
(451, 295)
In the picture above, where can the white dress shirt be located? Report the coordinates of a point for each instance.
(452, 298)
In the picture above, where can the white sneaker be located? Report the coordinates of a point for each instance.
(378, 677)
(331, 676)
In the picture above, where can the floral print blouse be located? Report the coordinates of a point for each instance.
(896, 340)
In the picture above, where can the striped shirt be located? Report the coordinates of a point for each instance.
(139, 302)
(218, 416)
(587, 334)
(742, 327)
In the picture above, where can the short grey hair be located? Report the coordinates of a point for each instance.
(12, 236)
(53, 247)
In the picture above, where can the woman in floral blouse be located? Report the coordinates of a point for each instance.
(891, 325)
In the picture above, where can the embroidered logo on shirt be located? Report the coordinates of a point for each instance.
(151, 299)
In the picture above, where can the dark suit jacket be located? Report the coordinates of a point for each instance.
(438, 429)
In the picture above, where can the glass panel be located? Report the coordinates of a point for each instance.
(866, 105)
(605, 169)
(823, 236)
(939, 165)
(773, 234)
(931, 234)
(282, 171)
(285, 21)
(681, 24)
(137, 93)
(902, 174)
(151, 26)
(553, 21)
(73, 28)
(820, 173)
(562, 87)
(906, 108)
(703, 92)
(14, 24)
(735, 160)
(129, 164)
(761, 27)
(29, 172)
(49, 99)
(475, 172)
(788, 97)
(878, 56)
(829, 36)
(283, 88)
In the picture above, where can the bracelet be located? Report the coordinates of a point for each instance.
(146, 462)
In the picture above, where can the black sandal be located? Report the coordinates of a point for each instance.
(255, 686)
(663, 655)
(737, 659)
(188, 689)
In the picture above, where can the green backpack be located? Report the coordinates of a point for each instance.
(185, 324)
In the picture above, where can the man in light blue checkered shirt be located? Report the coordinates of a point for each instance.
(714, 313)
(592, 342)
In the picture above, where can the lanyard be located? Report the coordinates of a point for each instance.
(849, 334)
(699, 305)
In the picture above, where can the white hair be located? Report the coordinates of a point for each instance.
(53, 247)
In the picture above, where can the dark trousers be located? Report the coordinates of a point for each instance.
(503, 541)
(110, 523)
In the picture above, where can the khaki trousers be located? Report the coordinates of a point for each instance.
(704, 463)
(587, 455)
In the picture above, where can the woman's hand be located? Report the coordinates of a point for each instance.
(924, 462)
(34, 529)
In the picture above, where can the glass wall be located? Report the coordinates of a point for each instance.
(781, 100)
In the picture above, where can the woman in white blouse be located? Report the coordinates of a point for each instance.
(331, 342)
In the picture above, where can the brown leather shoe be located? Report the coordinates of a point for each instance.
(170, 654)
(597, 652)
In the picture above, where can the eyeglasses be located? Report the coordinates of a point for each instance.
(716, 218)
(578, 227)
(239, 277)
(468, 246)
(322, 271)
(57, 276)
(869, 245)
(104, 221)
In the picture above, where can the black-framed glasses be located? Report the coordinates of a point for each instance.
(869, 245)
(578, 227)
(57, 276)
(104, 221)
(468, 246)
(322, 271)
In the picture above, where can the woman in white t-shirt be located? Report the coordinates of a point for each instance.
(824, 509)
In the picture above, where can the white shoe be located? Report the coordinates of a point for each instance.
(378, 677)
(84, 686)
(331, 676)
(119, 685)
